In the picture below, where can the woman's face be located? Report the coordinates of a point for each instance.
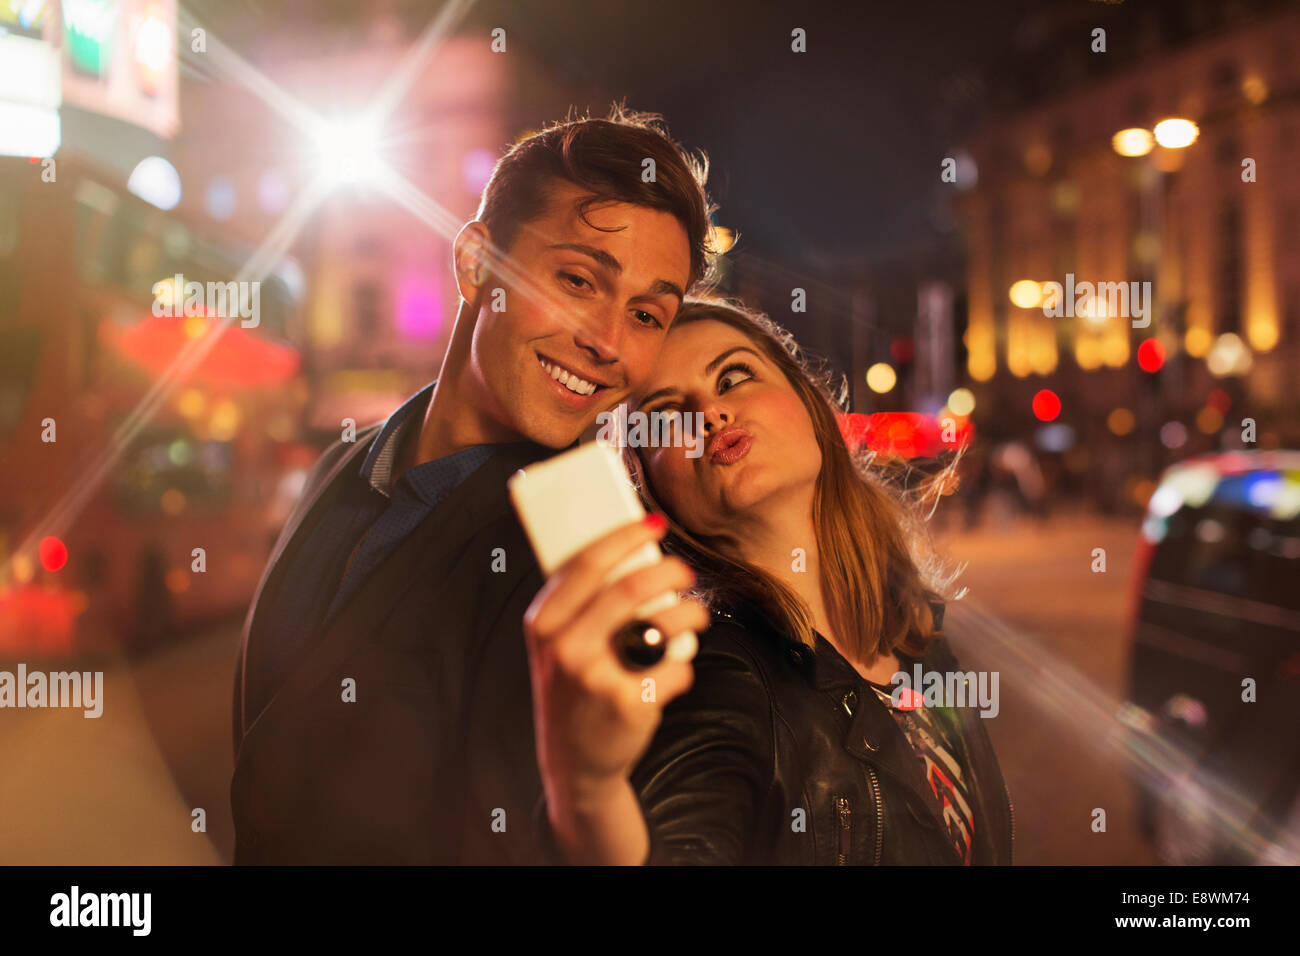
(760, 451)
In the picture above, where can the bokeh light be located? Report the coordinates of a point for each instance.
(53, 553)
(1026, 294)
(1150, 355)
(1133, 142)
(961, 402)
(881, 378)
(1046, 405)
(1173, 435)
(1175, 133)
(1120, 421)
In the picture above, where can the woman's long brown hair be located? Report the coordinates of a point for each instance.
(869, 540)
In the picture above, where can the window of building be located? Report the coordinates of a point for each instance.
(1227, 293)
(365, 308)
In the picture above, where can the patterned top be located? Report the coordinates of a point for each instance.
(937, 752)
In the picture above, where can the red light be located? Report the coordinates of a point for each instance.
(54, 554)
(1219, 400)
(909, 698)
(901, 350)
(1151, 355)
(1046, 405)
(854, 428)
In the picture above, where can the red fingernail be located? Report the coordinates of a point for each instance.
(657, 520)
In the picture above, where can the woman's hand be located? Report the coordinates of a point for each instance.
(593, 717)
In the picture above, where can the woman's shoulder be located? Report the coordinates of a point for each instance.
(729, 701)
(741, 635)
(731, 637)
(744, 642)
(738, 658)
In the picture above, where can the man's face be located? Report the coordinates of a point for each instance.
(585, 314)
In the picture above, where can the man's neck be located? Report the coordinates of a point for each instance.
(454, 419)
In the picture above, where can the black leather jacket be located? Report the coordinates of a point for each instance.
(769, 729)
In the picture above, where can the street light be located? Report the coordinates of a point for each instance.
(881, 378)
(1026, 294)
(1171, 133)
(1176, 133)
(1228, 356)
(1133, 142)
(349, 151)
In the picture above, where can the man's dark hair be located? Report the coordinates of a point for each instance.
(605, 157)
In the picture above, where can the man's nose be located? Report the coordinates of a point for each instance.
(600, 336)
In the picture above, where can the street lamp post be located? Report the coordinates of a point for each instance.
(1169, 134)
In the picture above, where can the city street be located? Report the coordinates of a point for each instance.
(121, 788)
(1038, 579)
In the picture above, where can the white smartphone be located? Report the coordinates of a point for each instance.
(567, 502)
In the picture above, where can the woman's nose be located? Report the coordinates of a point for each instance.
(715, 419)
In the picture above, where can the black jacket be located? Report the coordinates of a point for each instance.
(435, 760)
(770, 728)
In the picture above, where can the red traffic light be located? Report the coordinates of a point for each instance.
(1150, 355)
(53, 553)
(1046, 405)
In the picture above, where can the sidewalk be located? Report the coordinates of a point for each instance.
(120, 788)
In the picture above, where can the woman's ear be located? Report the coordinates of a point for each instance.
(470, 257)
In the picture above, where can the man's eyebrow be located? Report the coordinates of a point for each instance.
(708, 368)
(600, 255)
(659, 287)
(664, 287)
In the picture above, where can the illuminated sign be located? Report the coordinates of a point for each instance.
(88, 34)
(120, 59)
(24, 18)
(29, 82)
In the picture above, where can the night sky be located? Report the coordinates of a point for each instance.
(835, 151)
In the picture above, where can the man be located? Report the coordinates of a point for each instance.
(382, 710)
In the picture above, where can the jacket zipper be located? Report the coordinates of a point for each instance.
(846, 830)
(880, 814)
(1011, 810)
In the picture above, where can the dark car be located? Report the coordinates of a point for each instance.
(1215, 668)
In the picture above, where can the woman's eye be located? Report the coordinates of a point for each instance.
(733, 376)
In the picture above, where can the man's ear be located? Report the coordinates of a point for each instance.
(471, 259)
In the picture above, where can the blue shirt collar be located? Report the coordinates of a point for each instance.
(377, 468)
(430, 481)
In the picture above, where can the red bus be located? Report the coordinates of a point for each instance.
(175, 533)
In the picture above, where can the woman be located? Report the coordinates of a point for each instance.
(792, 744)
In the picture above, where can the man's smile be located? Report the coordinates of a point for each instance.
(570, 378)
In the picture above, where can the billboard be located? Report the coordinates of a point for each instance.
(119, 59)
(24, 18)
(29, 80)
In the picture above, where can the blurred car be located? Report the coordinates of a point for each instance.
(1217, 605)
